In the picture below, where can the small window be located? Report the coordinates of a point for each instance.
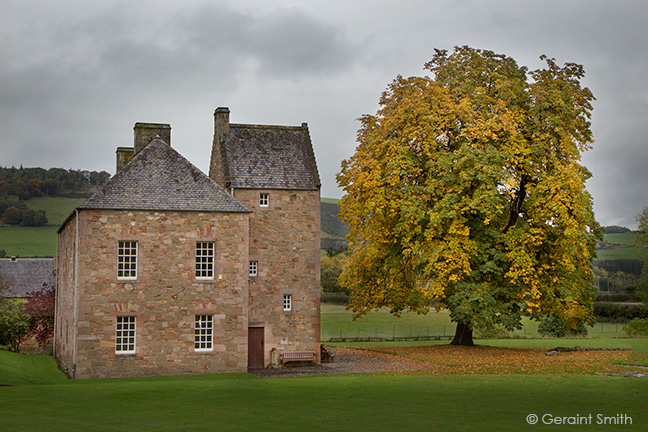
(254, 268)
(127, 260)
(205, 260)
(125, 335)
(287, 302)
(264, 200)
(204, 333)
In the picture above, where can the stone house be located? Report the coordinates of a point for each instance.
(166, 270)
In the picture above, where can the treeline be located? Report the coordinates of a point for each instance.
(25, 183)
(631, 266)
(20, 184)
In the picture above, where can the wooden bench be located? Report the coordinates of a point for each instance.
(301, 356)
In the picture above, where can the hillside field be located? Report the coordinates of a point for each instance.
(38, 242)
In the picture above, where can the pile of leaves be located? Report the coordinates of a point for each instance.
(481, 359)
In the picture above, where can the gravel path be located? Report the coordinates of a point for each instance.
(348, 361)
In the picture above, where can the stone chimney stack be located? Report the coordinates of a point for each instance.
(147, 132)
(221, 122)
(218, 169)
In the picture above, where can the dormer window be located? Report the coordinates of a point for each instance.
(264, 199)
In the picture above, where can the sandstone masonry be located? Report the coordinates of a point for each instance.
(168, 214)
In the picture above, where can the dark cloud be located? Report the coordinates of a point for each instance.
(76, 75)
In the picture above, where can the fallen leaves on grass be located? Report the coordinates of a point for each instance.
(459, 360)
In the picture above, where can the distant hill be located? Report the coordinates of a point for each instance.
(618, 243)
(334, 230)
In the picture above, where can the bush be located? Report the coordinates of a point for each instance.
(618, 296)
(637, 327)
(40, 308)
(553, 327)
(493, 332)
(336, 298)
(614, 312)
(14, 323)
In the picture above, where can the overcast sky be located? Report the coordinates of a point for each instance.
(76, 75)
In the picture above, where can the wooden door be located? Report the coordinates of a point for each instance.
(255, 347)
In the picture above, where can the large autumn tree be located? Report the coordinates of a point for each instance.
(641, 242)
(466, 191)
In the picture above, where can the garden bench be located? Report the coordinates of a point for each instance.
(288, 356)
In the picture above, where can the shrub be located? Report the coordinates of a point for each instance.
(338, 298)
(14, 323)
(637, 327)
(40, 308)
(554, 327)
(613, 312)
(493, 332)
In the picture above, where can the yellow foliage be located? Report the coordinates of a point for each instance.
(466, 190)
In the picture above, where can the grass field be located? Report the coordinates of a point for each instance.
(28, 241)
(625, 249)
(56, 208)
(337, 322)
(38, 241)
(329, 403)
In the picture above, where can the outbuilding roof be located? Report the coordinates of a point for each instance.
(23, 275)
(160, 178)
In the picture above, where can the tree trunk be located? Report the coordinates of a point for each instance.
(463, 335)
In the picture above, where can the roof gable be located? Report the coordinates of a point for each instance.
(159, 178)
(270, 157)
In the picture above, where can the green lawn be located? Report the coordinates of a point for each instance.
(18, 369)
(331, 403)
(41, 399)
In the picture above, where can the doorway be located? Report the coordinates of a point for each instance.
(255, 347)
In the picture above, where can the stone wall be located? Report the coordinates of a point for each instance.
(165, 297)
(285, 240)
(65, 283)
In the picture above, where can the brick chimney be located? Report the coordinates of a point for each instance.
(147, 132)
(218, 169)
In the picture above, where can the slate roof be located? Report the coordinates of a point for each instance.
(270, 157)
(25, 275)
(159, 178)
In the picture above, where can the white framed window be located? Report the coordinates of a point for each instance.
(125, 335)
(205, 260)
(204, 333)
(287, 302)
(254, 268)
(127, 260)
(264, 199)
